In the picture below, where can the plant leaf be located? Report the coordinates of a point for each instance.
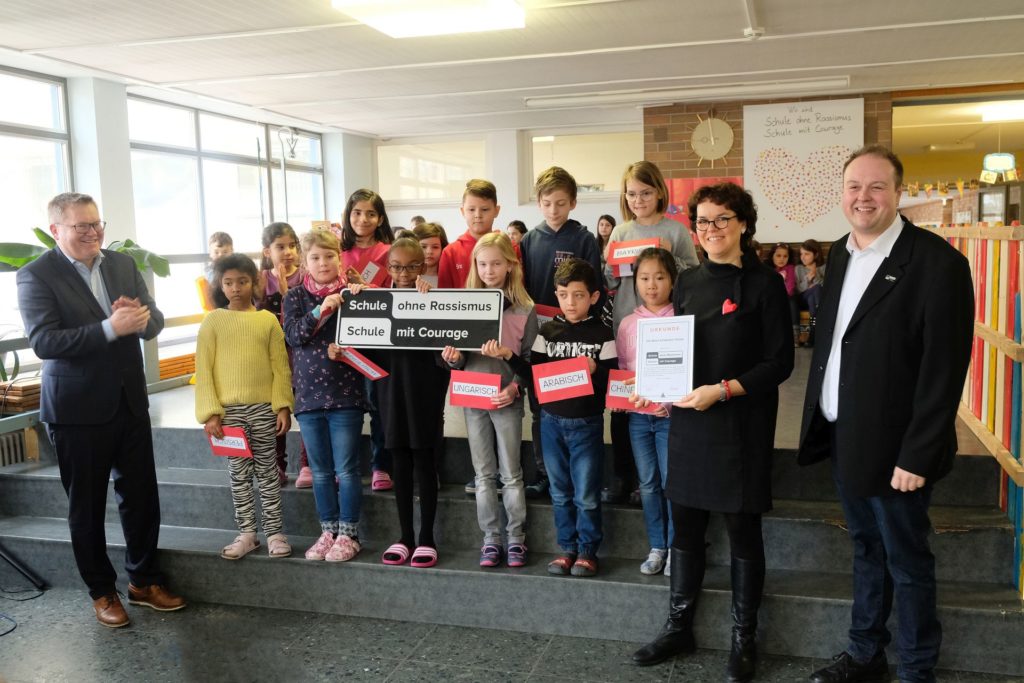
(45, 237)
(16, 254)
(144, 259)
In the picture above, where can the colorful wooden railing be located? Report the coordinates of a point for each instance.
(991, 403)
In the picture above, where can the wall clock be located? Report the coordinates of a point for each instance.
(712, 138)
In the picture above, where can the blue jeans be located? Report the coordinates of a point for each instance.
(332, 443)
(649, 436)
(379, 459)
(572, 455)
(891, 557)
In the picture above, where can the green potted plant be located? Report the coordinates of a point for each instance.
(14, 255)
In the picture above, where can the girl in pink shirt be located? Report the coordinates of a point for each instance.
(654, 276)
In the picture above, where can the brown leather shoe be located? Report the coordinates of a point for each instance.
(110, 612)
(157, 597)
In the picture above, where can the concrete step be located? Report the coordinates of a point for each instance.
(973, 481)
(970, 543)
(804, 613)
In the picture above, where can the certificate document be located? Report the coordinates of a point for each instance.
(664, 358)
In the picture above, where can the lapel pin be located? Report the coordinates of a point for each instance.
(890, 278)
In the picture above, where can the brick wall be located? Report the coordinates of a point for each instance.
(929, 213)
(667, 133)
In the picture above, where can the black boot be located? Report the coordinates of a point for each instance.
(810, 332)
(676, 636)
(747, 586)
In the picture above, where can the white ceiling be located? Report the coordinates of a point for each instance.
(303, 60)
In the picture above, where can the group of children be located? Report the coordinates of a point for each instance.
(246, 378)
(803, 285)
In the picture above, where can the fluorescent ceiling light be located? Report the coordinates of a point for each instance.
(670, 95)
(1002, 111)
(410, 18)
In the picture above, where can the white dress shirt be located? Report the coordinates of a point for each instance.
(862, 267)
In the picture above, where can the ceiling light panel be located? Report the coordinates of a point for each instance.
(413, 18)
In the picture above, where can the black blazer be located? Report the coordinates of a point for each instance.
(83, 374)
(904, 359)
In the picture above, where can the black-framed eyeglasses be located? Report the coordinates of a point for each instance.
(411, 268)
(84, 228)
(721, 222)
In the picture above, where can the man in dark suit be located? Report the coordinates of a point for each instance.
(895, 330)
(84, 310)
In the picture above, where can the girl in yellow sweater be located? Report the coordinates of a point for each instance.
(243, 380)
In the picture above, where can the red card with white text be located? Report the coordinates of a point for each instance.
(546, 313)
(626, 252)
(373, 273)
(562, 379)
(362, 364)
(474, 389)
(233, 445)
(619, 392)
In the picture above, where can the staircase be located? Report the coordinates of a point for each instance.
(806, 607)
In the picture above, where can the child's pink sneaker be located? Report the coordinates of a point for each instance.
(343, 550)
(305, 479)
(381, 481)
(321, 547)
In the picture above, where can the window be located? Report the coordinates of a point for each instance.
(196, 173)
(432, 171)
(595, 160)
(35, 166)
(160, 124)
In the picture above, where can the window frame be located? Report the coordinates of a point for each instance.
(265, 163)
(394, 204)
(527, 179)
(47, 134)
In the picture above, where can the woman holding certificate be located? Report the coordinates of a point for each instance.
(722, 434)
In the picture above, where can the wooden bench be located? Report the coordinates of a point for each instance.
(177, 366)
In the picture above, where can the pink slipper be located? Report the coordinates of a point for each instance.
(398, 552)
(381, 481)
(424, 556)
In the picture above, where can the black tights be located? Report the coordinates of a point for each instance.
(745, 539)
(404, 461)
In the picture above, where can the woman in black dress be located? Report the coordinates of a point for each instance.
(722, 435)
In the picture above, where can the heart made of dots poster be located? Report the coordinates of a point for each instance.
(793, 155)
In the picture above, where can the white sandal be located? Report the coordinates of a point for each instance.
(243, 544)
(277, 546)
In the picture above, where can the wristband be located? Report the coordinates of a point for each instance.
(726, 392)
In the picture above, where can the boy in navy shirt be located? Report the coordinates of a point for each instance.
(572, 430)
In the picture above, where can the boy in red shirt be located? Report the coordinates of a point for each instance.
(479, 208)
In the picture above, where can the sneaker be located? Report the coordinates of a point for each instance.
(305, 479)
(538, 489)
(471, 487)
(562, 565)
(516, 555)
(635, 500)
(490, 555)
(584, 565)
(654, 563)
(668, 565)
(282, 476)
(343, 550)
(321, 547)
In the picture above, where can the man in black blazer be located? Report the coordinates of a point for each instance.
(85, 310)
(895, 330)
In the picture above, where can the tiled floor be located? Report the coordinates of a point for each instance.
(56, 639)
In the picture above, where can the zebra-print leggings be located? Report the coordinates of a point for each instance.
(260, 424)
